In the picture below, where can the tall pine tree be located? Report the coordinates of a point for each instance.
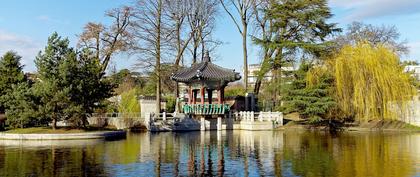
(70, 85)
(311, 100)
(296, 27)
(51, 90)
(10, 74)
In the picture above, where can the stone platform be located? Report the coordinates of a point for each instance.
(70, 136)
(237, 121)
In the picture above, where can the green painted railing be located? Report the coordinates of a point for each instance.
(206, 109)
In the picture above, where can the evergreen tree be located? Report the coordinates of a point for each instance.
(296, 27)
(10, 74)
(51, 89)
(312, 101)
(71, 86)
(21, 108)
(87, 90)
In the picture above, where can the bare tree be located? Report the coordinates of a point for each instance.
(387, 35)
(201, 20)
(105, 41)
(244, 10)
(151, 33)
(177, 11)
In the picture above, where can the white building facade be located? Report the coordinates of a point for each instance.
(253, 70)
(414, 69)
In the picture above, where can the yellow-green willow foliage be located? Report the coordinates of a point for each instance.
(129, 102)
(370, 83)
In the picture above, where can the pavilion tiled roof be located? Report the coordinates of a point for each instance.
(205, 70)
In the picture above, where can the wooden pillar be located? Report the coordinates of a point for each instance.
(194, 101)
(202, 95)
(210, 95)
(221, 95)
(190, 95)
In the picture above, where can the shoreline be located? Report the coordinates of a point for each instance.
(355, 128)
(62, 136)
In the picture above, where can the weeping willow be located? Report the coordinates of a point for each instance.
(370, 82)
(129, 102)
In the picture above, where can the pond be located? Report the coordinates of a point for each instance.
(231, 153)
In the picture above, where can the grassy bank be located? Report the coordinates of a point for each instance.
(376, 125)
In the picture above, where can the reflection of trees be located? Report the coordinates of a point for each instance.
(365, 154)
(236, 154)
(54, 161)
(374, 155)
(311, 157)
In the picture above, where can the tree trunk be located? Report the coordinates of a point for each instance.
(257, 86)
(158, 86)
(245, 53)
(54, 123)
(194, 59)
(178, 56)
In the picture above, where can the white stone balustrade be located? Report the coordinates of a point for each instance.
(260, 116)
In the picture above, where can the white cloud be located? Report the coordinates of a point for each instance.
(24, 46)
(362, 9)
(48, 19)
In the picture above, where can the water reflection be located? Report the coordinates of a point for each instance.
(232, 153)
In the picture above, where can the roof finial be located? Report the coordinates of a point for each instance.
(206, 57)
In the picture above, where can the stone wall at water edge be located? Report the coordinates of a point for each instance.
(118, 122)
(413, 115)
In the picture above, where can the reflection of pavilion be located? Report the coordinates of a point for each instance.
(206, 77)
(236, 153)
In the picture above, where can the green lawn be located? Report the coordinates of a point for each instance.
(412, 127)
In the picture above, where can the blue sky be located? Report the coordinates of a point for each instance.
(26, 24)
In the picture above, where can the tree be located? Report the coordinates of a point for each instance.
(10, 74)
(52, 92)
(409, 62)
(105, 41)
(244, 10)
(87, 90)
(177, 11)
(201, 21)
(151, 32)
(21, 108)
(129, 102)
(262, 26)
(370, 82)
(235, 90)
(312, 100)
(375, 35)
(70, 85)
(297, 27)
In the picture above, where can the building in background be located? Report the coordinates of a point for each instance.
(253, 70)
(414, 70)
